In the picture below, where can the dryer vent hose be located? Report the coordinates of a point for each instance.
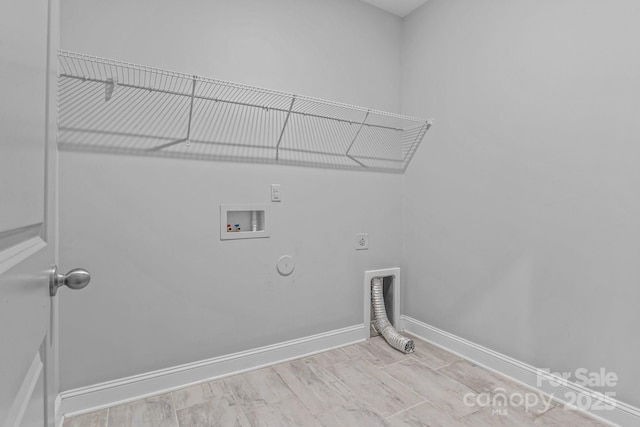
(382, 323)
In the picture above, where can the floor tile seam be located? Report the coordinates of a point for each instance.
(439, 352)
(473, 389)
(235, 398)
(330, 384)
(293, 393)
(295, 396)
(403, 385)
(447, 365)
(372, 409)
(470, 414)
(241, 410)
(357, 397)
(527, 420)
(441, 349)
(248, 407)
(344, 384)
(298, 397)
(508, 381)
(365, 404)
(422, 362)
(447, 389)
(175, 410)
(315, 417)
(210, 400)
(437, 372)
(356, 347)
(348, 358)
(382, 367)
(347, 399)
(460, 382)
(425, 400)
(535, 417)
(546, 412)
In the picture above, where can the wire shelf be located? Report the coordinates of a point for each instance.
(111, 106)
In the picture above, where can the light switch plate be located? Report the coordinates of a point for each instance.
(276, 196)
(362, 242)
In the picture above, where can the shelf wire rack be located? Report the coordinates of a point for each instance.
(117, 107)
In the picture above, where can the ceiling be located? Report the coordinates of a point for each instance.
(398, 7)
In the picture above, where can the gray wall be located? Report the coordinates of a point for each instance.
(165, 289)
(522, 206)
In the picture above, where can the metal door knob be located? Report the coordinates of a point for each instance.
(77, 278)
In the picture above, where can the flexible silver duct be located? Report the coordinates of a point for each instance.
(382, 323)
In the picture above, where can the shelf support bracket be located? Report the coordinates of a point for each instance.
(193, 94)
(187, 139)
(357, 161)
(407, 157)
(425, 127)
(109, 87)
(355, 137)
(284, 126)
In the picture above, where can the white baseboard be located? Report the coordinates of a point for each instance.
(616, 412)
(100, 396)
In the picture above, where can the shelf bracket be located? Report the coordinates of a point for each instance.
(109, 87)
(407, 157)
(193, 94)
(355, 137)
(357, 161)
(284, 126)
(187, 139)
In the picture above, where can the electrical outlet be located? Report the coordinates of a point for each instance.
(362, 242)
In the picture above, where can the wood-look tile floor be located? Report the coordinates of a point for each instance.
(366, 384)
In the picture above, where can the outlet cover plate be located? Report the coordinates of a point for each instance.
(362, 242)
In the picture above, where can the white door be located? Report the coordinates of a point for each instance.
(28, 45)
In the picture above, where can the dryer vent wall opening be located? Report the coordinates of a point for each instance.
(389, 290)
(381, 321)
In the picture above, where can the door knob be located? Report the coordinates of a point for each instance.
(77, 278)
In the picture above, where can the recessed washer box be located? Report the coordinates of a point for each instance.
(244, 221)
